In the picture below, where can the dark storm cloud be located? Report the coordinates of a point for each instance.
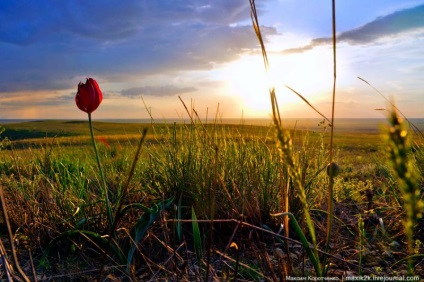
(391, 25)
(47, 45)
(158, 91)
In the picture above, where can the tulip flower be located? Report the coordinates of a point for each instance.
(88, 99)
(89, 96)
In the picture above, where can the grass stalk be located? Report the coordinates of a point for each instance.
(399, 150)
(123, 197)
(102, 176)
(275, 111)
(331, 175)
(416, 129)
(309, 104)
(11, 239)
(361, 241)
(312, 254)
(130, 175)
(197, 237)
(212, 196)
(284, 145)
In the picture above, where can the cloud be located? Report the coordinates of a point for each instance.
(28, 22)
(314, 43)
(394, 24)
(20, 99)
(49, 45)
(158, 91)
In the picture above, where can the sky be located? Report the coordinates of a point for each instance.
(145, 54)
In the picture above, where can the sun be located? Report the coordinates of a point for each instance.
(310, 74)
(246, 79)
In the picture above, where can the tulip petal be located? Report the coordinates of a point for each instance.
(89, 96)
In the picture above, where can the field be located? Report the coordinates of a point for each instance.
(329, 199)
(202, 200)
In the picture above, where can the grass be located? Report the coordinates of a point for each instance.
(52, 187)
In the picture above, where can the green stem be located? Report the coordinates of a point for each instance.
(312, 254)
(330, 212)
(331, 176)
(102, 176)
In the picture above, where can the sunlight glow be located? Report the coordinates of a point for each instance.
(309, 73)
(247, 80)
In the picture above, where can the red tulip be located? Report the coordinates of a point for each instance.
(89, 96)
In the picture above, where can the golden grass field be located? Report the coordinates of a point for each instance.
(187, 173)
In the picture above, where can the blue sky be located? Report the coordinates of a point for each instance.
(207, 53)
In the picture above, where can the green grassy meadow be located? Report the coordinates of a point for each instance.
(198, 202)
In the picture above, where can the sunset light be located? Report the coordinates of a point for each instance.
(247, 80)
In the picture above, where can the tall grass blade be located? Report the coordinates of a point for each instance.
(309, 104)
(127, 185)
(149, 110)
(416, 129)
(196, 236)
(331, 175)
(179, 217)
(11, 239)
(143, 224)
(312, 254)
(124, 195)
(361, 242)
(292, 169)
(255, 22)
(399, 150)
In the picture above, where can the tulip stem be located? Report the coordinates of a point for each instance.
(102, 176)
